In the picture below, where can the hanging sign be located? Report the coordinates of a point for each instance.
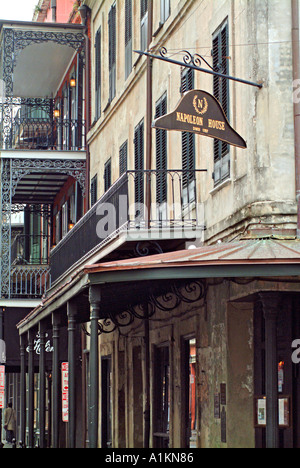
(199, 112)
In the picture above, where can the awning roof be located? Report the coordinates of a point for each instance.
(127, 281)
(42, 55)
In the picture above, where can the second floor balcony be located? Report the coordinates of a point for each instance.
(36, 124)
(42, 92)
(142, 213)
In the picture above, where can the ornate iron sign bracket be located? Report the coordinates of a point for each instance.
(185, 293)
(195, 62)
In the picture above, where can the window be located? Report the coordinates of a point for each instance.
(112, 52)
(161, 154)
(188, 146)
(58, 234)
(107, 175)
(94, 195)
(139, 162)
(220, 54)
(164, 10)
(128, 37)
(98, 74)
(144, 24)
(123, 158)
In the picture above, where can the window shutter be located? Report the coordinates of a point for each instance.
(139, 162)
(123, 158)
(220, 54)
(128, 37)
(112, 52)
(98, 73)
(107, 175)
(94, 196)
(161, 154)
(188, 139)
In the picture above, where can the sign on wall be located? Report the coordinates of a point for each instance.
(199, 112)
(2, 386)
(65, 391)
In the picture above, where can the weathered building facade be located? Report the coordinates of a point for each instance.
(190, 347)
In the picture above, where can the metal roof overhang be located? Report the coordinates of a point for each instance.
(134, 280)
(40, 66)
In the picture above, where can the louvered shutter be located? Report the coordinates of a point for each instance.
(220, 54)
(128, 38)
(188, 139)
(112, 52)
(139, 162)
(94, 190)
(98, 74)
(161, 154)
(107, 175)
(123, 158)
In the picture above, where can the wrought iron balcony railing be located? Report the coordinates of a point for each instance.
(31, 124)
(144, 204)
(30, 271)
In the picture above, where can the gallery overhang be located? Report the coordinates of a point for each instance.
(143, 279)
(35, 56)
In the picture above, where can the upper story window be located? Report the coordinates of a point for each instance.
(144, 24)
(220, 53)
(128, 37)
(165, 8)
(112, 52)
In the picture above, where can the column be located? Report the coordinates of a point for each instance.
(270, 308)
(42, 390)
(71, 310)
(94, 298)
(23, 342)
(56, 390)
(31, 336)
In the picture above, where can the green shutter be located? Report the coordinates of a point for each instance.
(161, 154)
(139, 162)
(220, 54)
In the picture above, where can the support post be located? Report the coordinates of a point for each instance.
(55, 382)
(270, 308)
(94, 298)
(31, 336)
(42, 390)
(71, 309)
(23, 342)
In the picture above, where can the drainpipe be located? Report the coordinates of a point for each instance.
(85, 13)
(147, 408)
(53, 8)
(296, 76)
(149, 113)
